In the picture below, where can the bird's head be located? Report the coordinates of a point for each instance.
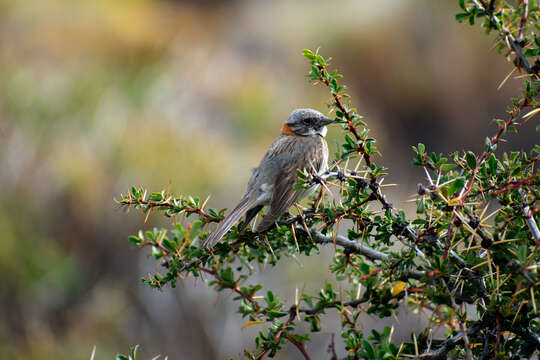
(308, 122)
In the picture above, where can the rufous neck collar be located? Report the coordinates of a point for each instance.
(286, 130)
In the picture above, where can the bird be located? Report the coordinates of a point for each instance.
(300, 146)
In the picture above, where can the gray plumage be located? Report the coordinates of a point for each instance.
(301, 145)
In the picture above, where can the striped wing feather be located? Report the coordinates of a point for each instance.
(308, 153)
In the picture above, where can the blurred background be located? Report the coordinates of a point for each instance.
(97, 95)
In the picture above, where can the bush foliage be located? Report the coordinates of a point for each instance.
(469, 258)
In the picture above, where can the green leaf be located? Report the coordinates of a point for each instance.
(272, 314)
(448, 167)
(531, 52)
(456, 185)
(315, 324)
(493, 164)
(169, 244)
(195, 229)
(350, 140)
(227, 276)
(471, 159)
(156, 252)
(308, 54)
(156, 196)
(420, 208)
(522, 254)
(134, 239)
(462, 16)
(134, 352)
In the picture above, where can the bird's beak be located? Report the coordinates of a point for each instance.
(325, 121)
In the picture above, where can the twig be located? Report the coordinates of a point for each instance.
(441, 353)
(350, 245)
(463, 329)
(168, 204)
(332, 348)
(335, 304)
(299, 346)
(475, 279)
(514, 43)
(514, 184)
(523, 20)
(347, 113)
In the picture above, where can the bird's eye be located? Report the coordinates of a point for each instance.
(307, 121)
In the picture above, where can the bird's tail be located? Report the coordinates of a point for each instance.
(245, 204)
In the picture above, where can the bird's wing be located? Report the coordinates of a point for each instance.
(309, 155)
(261, 182)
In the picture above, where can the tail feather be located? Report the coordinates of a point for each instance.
(250, 214)
(227, 223)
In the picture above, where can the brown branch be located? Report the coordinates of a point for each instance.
(299, 346)
(261, 354)
(514, 184)
(159, 245)
(168, 204)
(523, 20)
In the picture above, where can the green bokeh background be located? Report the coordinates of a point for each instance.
(96, 96)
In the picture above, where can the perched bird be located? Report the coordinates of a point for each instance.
(301, 145)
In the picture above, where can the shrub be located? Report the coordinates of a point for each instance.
(469, 258)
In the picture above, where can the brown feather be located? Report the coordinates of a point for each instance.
(309, 153)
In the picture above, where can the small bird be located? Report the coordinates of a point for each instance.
(301, 145)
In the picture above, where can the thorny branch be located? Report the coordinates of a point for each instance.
(347, 113)
(514, 43)
(441, 353)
